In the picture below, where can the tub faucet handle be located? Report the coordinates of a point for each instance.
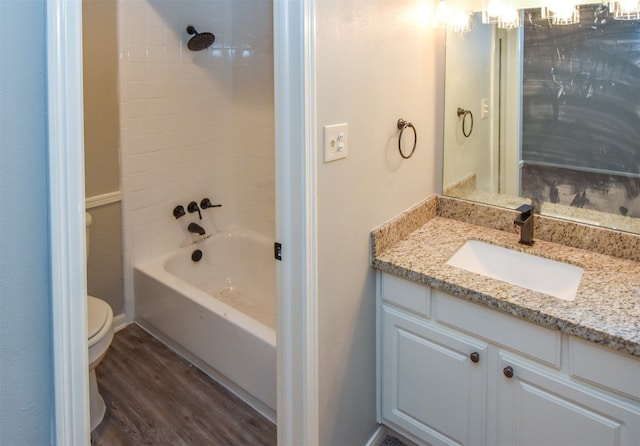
(193, 207)
(206, 204)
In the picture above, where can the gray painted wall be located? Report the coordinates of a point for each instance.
(26, 385)
(376, 62)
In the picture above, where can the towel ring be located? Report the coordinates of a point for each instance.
(464, 113)
(402, 125)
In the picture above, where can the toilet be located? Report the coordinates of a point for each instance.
(100, 333)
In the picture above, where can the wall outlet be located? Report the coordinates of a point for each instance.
(335, 142)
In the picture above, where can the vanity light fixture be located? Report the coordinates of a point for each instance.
(562, 13)
(625, 9)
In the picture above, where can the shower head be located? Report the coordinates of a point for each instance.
(199, 41)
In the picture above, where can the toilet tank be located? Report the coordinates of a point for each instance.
(88, 221)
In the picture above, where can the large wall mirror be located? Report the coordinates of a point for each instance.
(547, 113)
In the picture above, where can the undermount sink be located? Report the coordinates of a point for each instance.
(547, 276)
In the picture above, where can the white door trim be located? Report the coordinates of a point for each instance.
(67, 229)
(294, 46)
(295, 101)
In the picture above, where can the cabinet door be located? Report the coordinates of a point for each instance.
(432, 388)
(540, 407)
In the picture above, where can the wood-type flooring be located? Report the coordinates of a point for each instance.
(154, 397)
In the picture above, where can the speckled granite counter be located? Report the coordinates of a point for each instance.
(417, 244)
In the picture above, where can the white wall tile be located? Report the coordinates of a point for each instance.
(194, 124)
(155, 54)
(155, 35)
(136, 52)
(137, 35)
(136, 72)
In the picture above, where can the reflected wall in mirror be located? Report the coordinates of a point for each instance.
(556, 117)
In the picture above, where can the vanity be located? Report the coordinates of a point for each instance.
(468, 359)
(483, 340)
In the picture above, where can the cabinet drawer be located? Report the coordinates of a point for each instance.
(507, 331)
(405, 294)
(604, 368)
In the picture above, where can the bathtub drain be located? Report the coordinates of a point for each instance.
(196, 255)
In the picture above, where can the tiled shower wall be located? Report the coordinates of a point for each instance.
(194, 124)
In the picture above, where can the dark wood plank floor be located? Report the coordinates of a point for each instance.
(154, 397)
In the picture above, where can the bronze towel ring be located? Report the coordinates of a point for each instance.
(464, 113)
(402, 125)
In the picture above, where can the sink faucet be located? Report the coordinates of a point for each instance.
(195, 228)
(525, 221)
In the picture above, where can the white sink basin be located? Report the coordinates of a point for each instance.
(547, 276)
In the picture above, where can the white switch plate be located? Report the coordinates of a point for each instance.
(485, 108)
(335, 144)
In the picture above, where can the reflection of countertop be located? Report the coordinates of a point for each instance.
(607, 306)
(466, 189)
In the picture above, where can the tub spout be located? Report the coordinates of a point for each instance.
(195, 228)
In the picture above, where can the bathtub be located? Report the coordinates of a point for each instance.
(219, 313)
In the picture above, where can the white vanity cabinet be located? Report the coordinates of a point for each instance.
(457, 373)
(541, 407)
(432, 380)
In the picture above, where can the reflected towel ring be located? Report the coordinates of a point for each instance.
(402, 125)
(464, 113)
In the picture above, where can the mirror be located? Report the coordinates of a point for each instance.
(548, 114)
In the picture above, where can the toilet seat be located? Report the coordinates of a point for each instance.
(99, 318)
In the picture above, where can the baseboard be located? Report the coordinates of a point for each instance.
(119, 322)
(378, 436)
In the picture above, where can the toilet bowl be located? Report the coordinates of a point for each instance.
(100, 325)
(100, 335)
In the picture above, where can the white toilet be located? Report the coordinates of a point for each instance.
(100, 332)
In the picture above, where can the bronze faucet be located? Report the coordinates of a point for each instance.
(525, 222)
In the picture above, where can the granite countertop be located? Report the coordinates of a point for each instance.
(606, 309)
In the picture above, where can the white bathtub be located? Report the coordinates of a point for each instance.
(220, 312)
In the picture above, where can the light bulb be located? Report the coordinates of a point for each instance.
(625, 9)
(460, 21)
(443, 12)
(562, 13)
(628, 5)
(510, 18)
(492, 11)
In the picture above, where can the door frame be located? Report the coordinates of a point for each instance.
(296, 222)
(294, 62)
(67, 222)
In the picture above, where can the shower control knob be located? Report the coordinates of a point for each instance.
(206, 204)
(178, 212)
(193, 207)
(475, 357)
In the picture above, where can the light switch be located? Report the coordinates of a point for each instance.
(335, 142)
(485, 108)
